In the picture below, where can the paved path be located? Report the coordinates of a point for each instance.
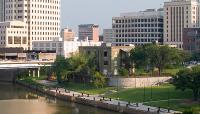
(136, 106)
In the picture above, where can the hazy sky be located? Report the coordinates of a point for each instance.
(75, 12)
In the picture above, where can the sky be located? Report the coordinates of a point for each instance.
(75, 12)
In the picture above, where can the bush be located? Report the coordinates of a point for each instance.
(123, 72)
(99, 80)
(188, 112)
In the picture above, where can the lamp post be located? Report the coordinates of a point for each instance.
(168, 100)
(144, 93)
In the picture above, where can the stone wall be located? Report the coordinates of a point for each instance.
(9, 75)
(137, 82)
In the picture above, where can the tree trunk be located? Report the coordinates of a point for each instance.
(159, 71)
(196, 94)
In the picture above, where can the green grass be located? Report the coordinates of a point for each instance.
(33, 82)
(180, 105)
(86, 88)
(158, 93)
(180, 100)
(171, 71)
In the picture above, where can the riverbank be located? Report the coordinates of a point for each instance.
(96, 101)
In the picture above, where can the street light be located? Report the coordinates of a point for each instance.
(144, 93)
(168, 101)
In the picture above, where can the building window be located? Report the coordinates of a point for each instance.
(105, 62)
(105, 54)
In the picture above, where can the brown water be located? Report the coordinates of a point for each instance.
(15, 99)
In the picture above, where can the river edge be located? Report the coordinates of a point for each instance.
(79, 99)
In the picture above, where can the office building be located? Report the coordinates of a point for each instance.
(191, 39)
(67, 34)
(89, 32)
(14, 34)
(42, 17)
(108, 35)
(138, 28)
(62, 47)
(2, 10)
(55, 45)
(179, 14)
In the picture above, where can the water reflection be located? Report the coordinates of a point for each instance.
(15, 99)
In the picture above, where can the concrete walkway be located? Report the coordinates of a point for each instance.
(136, 106)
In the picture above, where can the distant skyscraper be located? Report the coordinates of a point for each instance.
(179, 14)
(108, 35)
(42, 17)
(89, 32)
(67, 34)
(2, 10)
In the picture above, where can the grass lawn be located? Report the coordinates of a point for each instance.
(179, 100)
(171, 71)
(180, 105)
(158, 93)
(86, 88)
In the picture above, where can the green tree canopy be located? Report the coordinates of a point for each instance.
(60, 67)
(155, 56)
(188, 79)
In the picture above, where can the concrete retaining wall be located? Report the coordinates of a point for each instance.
(137, 82)
(9, 75)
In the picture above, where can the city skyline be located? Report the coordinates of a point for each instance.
(75, 12)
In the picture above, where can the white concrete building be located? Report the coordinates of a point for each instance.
(57, 45)
(108, 35)
(179, 14)
(138, 28)
(14, 34)
(72, 47)
(62, 47)
(42, 17)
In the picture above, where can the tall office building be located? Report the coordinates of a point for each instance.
(2, 10)
(138, 28)
(179, 14)
(89, 32)
(108, 35)
(42, 17)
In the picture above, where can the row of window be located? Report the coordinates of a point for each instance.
(17, 40)
(43, 38)
(42, 1)
(39, 11)
(137, 25)
(138, 30)
(138, 35)
(138, 20)
(47, 45)
(45, 33)
(136, 40)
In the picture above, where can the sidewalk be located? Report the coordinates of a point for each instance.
(136, 106)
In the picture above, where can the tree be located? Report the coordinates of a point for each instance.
(60, 67)
(188, 79)
(123, 72)
(82, 66)
(195, 56)
(140, 57)
(99, 80)
(155, 56)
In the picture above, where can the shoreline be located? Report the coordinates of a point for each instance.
(86, 99)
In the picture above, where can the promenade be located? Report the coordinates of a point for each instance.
(135, 106)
